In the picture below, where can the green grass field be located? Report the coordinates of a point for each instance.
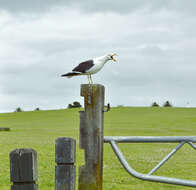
(39, 129)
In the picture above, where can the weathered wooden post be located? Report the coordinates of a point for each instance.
(91, 137)
(4, 129)
(23, 169)
(65, 170)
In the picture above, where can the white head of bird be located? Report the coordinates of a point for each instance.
(111, 56)
(105, 58)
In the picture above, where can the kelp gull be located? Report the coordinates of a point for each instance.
(90, 67)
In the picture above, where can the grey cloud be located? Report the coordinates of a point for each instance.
(125, 6)
(156, 56)
(29, 5)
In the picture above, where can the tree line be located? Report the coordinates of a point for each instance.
(166, 104)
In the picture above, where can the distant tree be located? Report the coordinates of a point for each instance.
(18, 109)
(154, 104)
(74, 105)
(167, 104)
(69, 106)
(37, 109)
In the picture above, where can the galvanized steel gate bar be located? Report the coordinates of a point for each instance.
(113, 140)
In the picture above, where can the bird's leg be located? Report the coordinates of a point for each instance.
(91, 79)
(89, 90)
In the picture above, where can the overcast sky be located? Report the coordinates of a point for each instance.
(40, 40)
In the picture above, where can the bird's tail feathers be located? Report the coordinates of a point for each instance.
(71, 74)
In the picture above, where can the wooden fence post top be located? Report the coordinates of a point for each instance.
(23, 169)
(23, 151)
(65, 150)
(93, 95)
(23, 165)
(86, 87)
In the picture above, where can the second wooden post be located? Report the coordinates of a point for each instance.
(91, 137)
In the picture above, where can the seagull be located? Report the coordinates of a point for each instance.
(90, 67)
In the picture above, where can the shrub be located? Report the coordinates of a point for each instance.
(18, 109)
(154, 104)
(167, 104)
(77, 105)
(74, 105)
(69, 106)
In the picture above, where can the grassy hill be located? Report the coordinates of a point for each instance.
(39, 129)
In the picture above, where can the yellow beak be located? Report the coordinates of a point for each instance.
(112, 57)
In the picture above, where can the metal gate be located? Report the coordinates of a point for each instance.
(113, 140)
(92, 140)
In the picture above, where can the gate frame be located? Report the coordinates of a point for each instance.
(113, 140)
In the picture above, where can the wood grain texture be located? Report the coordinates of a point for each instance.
(23, 169)
(65, 171)
(91, 137)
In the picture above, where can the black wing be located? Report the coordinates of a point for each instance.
(84, 66)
